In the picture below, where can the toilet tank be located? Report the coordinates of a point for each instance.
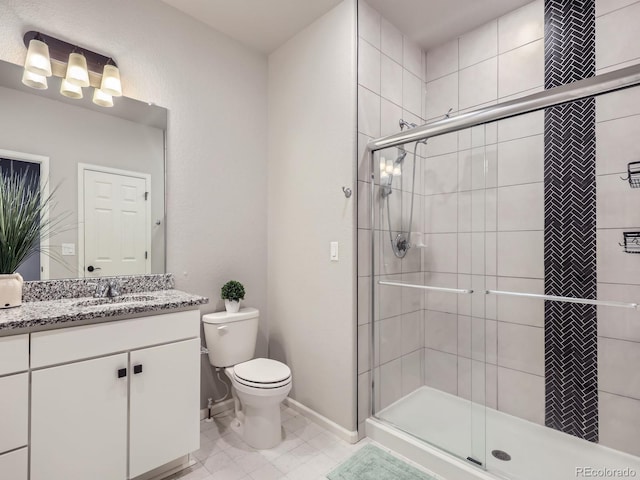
(231, 337)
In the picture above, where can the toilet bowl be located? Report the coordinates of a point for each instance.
(258, 385)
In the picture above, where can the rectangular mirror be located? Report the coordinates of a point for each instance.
(108, 168)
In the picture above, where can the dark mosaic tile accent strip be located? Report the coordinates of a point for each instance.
(82, 287)
(571, 370)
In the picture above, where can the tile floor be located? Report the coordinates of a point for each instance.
(308, 452)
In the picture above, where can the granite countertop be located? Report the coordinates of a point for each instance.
(64, 312)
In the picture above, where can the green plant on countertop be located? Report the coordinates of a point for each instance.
(24, 222)
(233, 291)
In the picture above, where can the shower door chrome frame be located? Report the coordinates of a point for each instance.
(590, 87)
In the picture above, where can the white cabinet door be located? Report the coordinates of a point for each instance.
(14, 354)
(14, 411)
(164, 404)
(79, 421)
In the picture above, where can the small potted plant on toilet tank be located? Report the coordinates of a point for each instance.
(232, 292)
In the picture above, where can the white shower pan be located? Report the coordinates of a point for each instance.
(537, 452)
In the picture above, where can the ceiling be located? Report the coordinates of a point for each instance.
(432, 22)
(266, 24)
(260, 24)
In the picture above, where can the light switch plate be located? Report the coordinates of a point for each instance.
(334, 255)
(68, 249)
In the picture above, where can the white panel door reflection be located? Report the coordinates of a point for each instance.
(116, 223)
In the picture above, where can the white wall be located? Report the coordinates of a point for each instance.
(312, 146)
(216, 92)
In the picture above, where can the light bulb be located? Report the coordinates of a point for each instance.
(389, 169)
(397, 172)
(70, 90)
(34, 81)
(111, 81)
(102, 99)
(38, 61)
(77, 73)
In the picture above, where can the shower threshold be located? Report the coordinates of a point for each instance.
(427, 417)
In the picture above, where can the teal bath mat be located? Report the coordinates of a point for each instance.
(371, 463)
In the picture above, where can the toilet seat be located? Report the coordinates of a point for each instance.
(262, 373)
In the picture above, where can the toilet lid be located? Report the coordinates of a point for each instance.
(262, 371)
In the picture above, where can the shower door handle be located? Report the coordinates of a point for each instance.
(555, 298)
(463, 291)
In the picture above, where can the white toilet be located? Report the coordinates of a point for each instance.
(258, 385)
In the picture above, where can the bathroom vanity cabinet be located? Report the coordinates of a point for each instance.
(108, 401)
(14, 406)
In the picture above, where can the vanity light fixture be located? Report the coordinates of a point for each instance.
(77, 71)
(70, 90)
(34, 81)
(78, 67)
(111, 80)
(102, 99)
(38, 61)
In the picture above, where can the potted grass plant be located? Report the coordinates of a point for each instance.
(24, 224)
(232, 292)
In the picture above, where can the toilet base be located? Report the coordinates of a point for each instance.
(261, 428)
(258, 420)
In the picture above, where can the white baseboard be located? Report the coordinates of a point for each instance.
(331, 426)
(217, 408)
(169, 469)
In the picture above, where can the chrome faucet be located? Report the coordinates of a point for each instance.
(109, 289)
(113, 289)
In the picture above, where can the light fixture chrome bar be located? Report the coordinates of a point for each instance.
(554, 298)
(426, 287)
(589, 87)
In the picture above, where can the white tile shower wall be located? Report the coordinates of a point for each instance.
(617, 128)
(474, 229)
(510, 349)
(390, 87)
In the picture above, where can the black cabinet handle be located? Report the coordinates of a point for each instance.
(91, 268)
(122, 372)
(137, 369)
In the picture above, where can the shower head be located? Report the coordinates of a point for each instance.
(401, 156)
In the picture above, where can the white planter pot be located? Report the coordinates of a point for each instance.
(232, 306)
(10, 290)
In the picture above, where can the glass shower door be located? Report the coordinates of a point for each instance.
(565, 389)
(429, 304)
